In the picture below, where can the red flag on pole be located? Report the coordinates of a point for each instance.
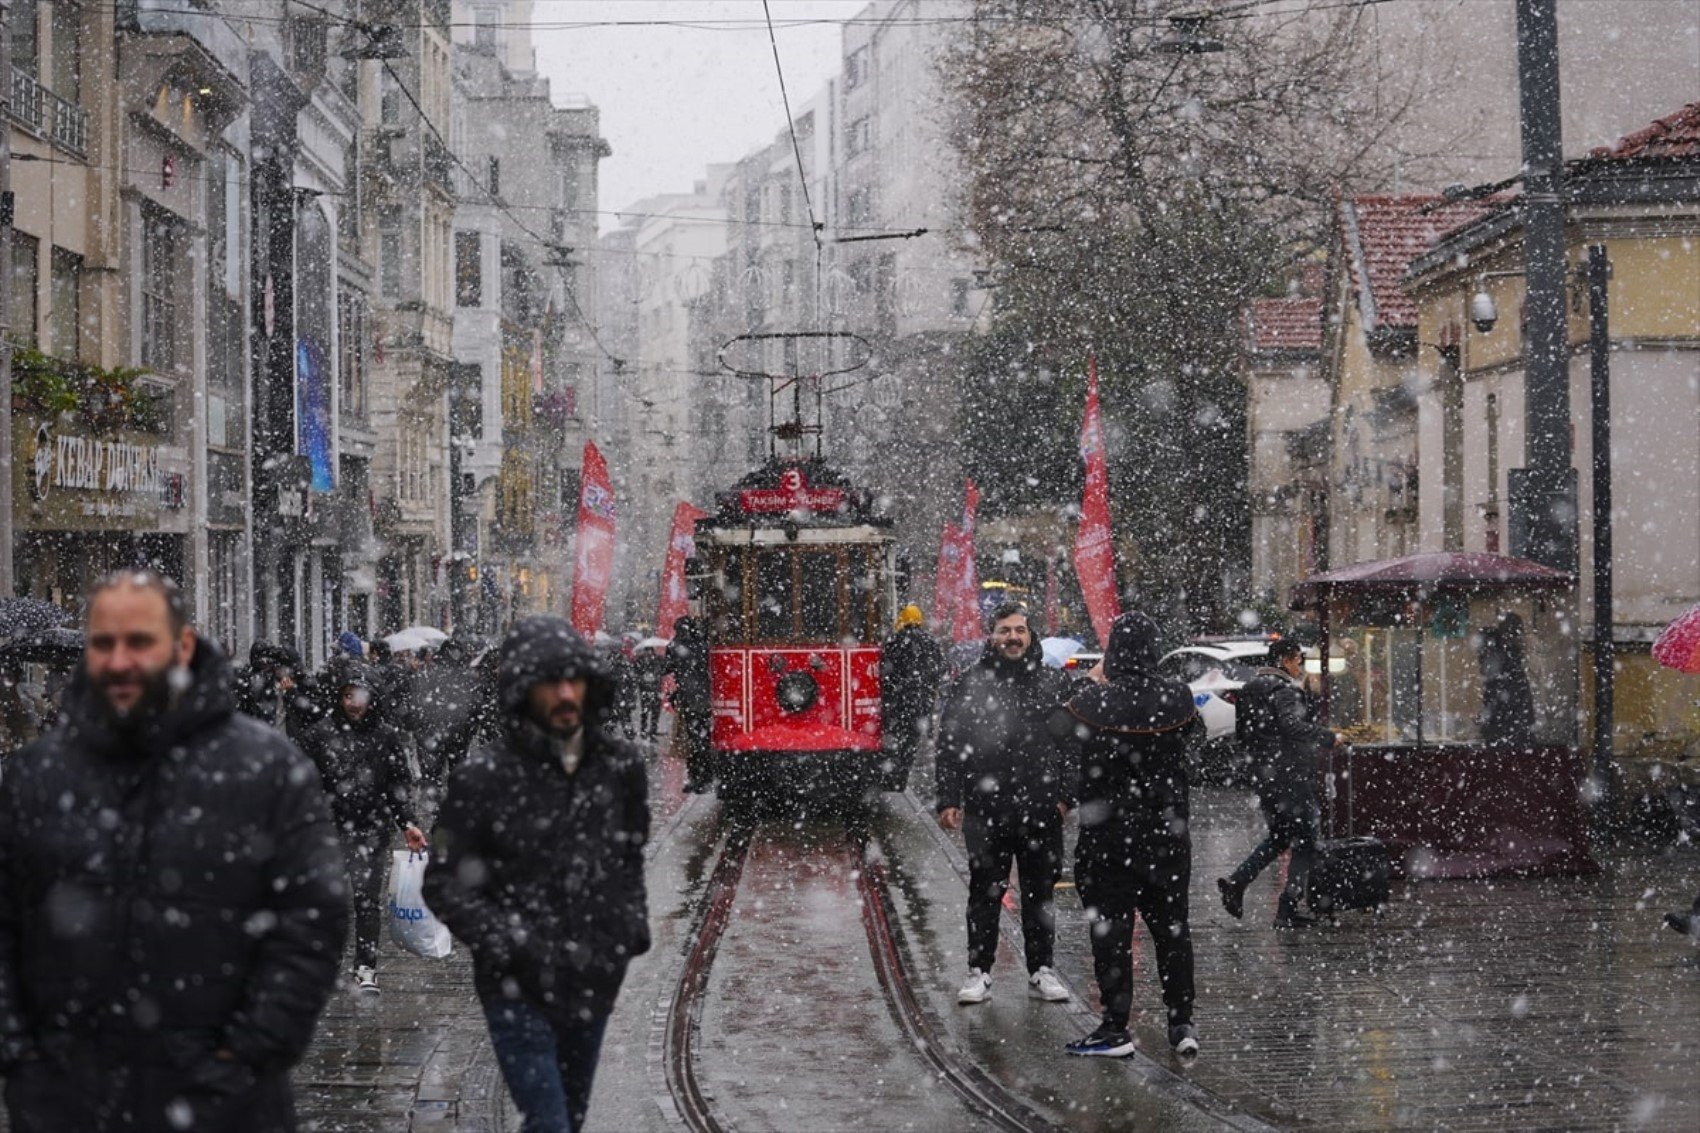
(593, 562)
(1094, 554)
(680, 546)
(966, 624)
(945, 579)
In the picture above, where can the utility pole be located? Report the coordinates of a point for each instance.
(1546, 501)
(1605, 647)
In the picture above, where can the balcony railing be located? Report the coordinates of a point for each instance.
(40, 110)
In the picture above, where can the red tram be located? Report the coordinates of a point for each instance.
(795, 575)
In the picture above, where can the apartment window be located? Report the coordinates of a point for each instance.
(469, 270)
(959, 289)
(348, 216)
(351, 346)
(856, 68)
(159, 299)
(389, 98)
(389, 252)
(305, 37)
(861, 202)
(858, 137)
(495, 179)
(25, 255)
(66, 314)
(67, 78)
(484, 29)
(26, 42)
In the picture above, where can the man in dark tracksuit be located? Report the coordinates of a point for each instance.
(1278, 726)
(171, 898)
(538, 870)
(1000, 778)
(1130, 736)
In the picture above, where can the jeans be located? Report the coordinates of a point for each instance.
(1035, 843)
(547, 1060)
(1293, 819)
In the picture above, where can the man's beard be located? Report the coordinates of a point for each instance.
(154, 700)
(559, 731)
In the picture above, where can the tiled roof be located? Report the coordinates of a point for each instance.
(1676, 135)
(1381, 235)
(1284, 325)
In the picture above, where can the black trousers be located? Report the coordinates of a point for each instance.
(1293, 817)
(366, 854)
(1121, 874)
(1034, 842)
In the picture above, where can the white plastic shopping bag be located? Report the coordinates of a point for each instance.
(411, 924)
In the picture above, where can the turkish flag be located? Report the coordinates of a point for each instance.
(966, 624)
(680, 546)
(593, 562)
(1094, 553)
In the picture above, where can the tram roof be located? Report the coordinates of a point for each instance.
(796, 493)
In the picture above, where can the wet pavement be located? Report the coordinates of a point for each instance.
(1558, 1004)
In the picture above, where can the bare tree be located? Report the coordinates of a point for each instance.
(1135, 192)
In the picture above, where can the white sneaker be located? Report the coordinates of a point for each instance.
(976, 989)
(1044, 984)
(366, 980)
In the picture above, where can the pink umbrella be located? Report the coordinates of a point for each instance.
(1678, 647)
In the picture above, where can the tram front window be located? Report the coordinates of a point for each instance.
(775, 579)
(820, 599)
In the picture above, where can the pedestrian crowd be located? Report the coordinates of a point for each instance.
(184, 852)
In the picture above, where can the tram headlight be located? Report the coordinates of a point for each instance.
(796, 691)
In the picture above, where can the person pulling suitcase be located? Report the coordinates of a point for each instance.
(1276, 723)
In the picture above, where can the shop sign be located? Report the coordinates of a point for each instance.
(61, 461)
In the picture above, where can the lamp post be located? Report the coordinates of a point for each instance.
(1605, 647)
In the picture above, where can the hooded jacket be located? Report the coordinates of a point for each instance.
(911, 668)
(537, 871)
(995, 753)
(1129, 739)
(363, 762)
(1282, 734)
(178, 889)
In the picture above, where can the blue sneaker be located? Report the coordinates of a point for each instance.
(1105, 1042)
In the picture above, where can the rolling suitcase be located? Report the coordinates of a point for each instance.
(1350, 873)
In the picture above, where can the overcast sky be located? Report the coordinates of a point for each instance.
(675, 98)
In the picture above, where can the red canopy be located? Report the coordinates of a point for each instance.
(1430, 572)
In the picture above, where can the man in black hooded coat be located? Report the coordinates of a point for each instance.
(362, 759)
(1129, 737)
(171, 897)
(1001, 778)
(538, 869)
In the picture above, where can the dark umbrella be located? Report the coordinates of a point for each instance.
(59, 647)
(21, 617)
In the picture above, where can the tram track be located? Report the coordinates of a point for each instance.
(995, 1106)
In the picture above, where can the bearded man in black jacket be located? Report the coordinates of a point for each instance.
(171, 898)
(538, 869)
(1130, 737)
(1001, 780)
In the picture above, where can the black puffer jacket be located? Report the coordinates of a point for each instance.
(1129, 741)
(538, 872)
(363, 762)
(912, 667)
(1280, 735)
(996, 754)
(181, 889)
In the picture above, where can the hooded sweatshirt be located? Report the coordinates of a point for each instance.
(1129, 738)
(538, 870)
(995, 752)
(363, 762)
